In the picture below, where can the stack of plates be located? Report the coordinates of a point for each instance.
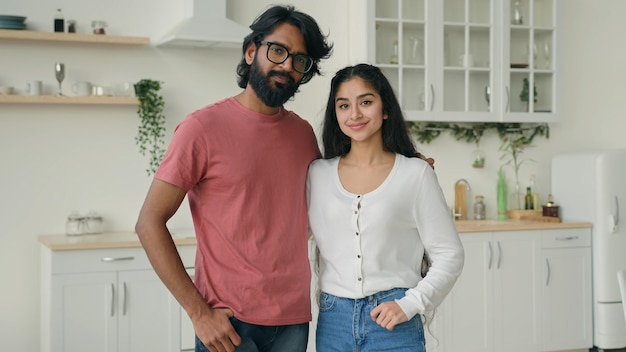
(12, 22)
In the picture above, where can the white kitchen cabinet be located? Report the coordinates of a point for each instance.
(494, 305)
(464, 60)
(566, 290)
(109, 300)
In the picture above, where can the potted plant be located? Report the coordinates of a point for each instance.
(525, 91)
(515, 139)
(151, 132)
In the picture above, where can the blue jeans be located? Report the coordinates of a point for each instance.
(259, 338)
(344, 324)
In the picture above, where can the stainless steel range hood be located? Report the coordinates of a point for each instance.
(206, 25)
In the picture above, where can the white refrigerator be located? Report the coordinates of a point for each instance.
(591, 186)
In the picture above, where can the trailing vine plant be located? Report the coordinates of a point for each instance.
(151, 133)
(426, 132)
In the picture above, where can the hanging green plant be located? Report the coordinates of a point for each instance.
(151, 133)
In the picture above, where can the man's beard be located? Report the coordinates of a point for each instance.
(271, 94)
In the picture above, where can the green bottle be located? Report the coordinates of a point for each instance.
(502, 194)
(528, 199)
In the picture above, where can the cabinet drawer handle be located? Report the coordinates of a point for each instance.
(112, 300)
(490, 256)
(124, 300)
(116, 259)
(567, 238)
(499, 254)
(548, 272)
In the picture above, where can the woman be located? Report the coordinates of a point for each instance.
(375, 210)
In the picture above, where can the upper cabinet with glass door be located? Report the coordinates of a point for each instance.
(466, 60)
(401, 48)
(528, 53)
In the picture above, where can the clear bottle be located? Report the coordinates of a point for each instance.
(479, 208)
(394, 57)
(59, 22)
(517, 17)
(528, 199)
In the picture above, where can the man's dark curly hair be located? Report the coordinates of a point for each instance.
(316, 45)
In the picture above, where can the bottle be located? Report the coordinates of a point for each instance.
(479, 208)
(59, 22)
(517, 14)
(528, 199)
(71, 26)
(534, 194)
(394, 57)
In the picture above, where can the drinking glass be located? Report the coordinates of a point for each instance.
(546, 55)
(59, 71)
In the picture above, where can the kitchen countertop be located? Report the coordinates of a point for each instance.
(514, 225)
(186, 237)
(107, 240)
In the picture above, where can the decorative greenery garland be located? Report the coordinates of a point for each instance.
(151, 133)
(426, 132)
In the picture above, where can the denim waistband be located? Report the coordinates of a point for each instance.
(376, 296)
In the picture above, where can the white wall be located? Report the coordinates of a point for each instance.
(59, 158)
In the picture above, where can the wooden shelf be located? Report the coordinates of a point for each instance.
(72, 37)
(55, 99)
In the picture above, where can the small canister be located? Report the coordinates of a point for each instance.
(93, 223)
(550, 209)
(74, 224)
(98, 27)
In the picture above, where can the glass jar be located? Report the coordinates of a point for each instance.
(93, 223)
(479, 208)
(98, 27)
(74, 225)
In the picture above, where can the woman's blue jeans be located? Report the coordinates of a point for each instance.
(344, 324)
(260, 338)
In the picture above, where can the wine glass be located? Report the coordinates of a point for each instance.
(546, 55)
(59, 71)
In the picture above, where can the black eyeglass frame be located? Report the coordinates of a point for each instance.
(309, 60)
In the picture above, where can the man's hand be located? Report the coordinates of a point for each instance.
(216, 332)
(430, 161)
(388, 315)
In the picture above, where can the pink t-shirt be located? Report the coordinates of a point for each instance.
(245, 174)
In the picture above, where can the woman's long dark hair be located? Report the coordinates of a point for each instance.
(316, 46)
(396, 137)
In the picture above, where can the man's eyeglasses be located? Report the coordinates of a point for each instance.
(278, 54)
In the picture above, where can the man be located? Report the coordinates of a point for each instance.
(242, 162)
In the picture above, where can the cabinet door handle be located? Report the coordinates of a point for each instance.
(567, 238)
(490, 256)
(432, 97)
(548, 272)
(508, 98)
(499, 255)
(112, 299)
(124, 299)
(116, 259)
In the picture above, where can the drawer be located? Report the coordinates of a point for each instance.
(563, 238)
(110, 259)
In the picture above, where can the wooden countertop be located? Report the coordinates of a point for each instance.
(105, 240)
(186, 237)
(514, 225)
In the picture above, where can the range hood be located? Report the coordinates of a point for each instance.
(206, 25)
